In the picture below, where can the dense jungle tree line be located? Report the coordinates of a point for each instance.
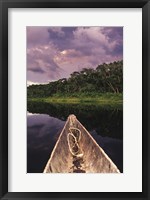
(106, 78)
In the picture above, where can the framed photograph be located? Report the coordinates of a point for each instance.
(74, 99)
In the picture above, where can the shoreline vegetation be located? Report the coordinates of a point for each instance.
(100, 99)
(102, 86)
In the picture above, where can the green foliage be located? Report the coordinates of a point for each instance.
(101, 99)
(106, 78)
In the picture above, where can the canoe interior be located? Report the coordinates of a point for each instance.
(94, 159)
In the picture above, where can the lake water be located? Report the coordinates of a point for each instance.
(45, 122)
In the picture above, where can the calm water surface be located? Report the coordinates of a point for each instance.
(45, 122)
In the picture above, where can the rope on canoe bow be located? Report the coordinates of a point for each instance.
(73, 139)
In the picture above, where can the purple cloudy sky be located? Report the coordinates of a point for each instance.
(55, 52)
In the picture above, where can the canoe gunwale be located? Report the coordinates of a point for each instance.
(49, 161)
(103, 152)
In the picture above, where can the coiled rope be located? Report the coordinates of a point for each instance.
(73, 139)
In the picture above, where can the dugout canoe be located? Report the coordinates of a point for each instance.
(76, 151)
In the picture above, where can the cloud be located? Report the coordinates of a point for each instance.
(37, 35)
(41, 59)
(55, 52)
(37, 70)
(55, 32)
(32, 83)
(98, 42)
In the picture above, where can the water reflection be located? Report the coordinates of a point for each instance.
(107, 121)
(43, 131)
(104, 124)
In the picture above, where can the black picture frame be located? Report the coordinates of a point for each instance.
(4, 6)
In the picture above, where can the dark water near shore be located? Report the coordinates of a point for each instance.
(45, 122)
